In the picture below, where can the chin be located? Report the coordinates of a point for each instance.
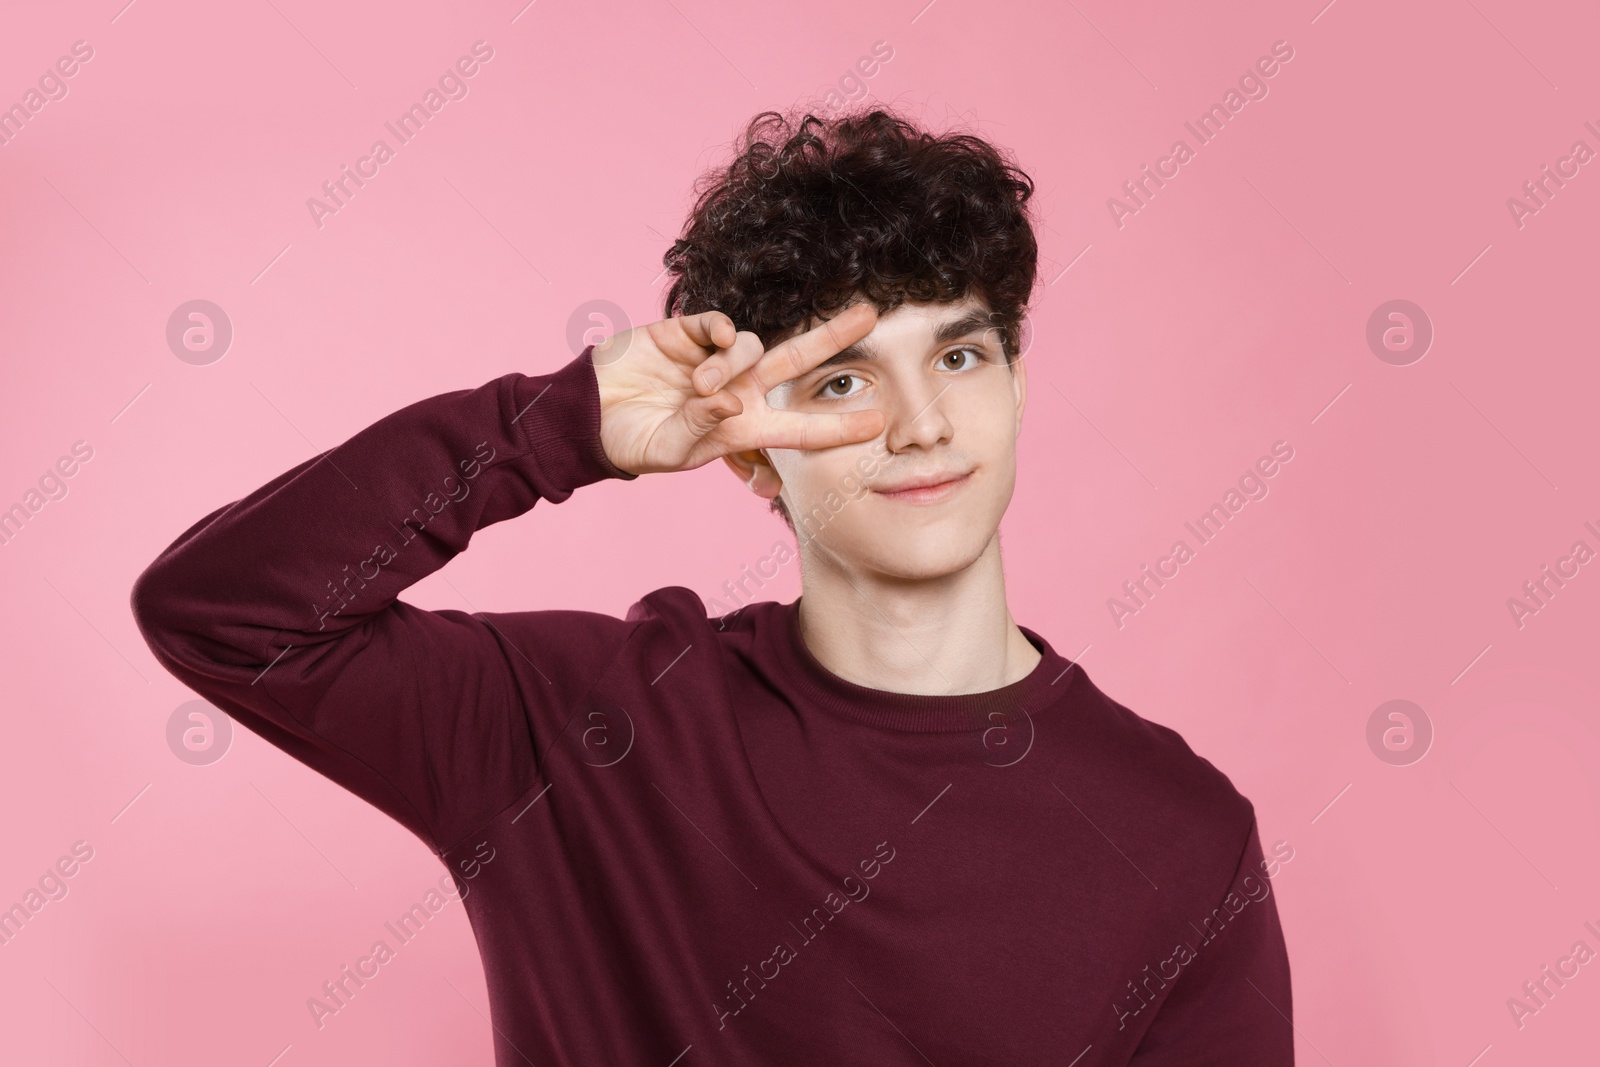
(911, 554)
(913, 543)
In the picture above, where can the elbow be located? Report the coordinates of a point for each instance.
(156, 602)
(147, 601)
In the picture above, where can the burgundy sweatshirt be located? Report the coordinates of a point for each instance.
(681, 839)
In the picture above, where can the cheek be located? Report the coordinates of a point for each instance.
(986, 422)
(810, 477)
(988, 438)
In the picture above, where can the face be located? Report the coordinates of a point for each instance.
(952, 412)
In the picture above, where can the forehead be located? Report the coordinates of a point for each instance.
(931, 315)
(936, 311)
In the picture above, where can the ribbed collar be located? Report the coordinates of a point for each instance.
(914, 712)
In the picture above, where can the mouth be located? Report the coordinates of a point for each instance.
(929, 493)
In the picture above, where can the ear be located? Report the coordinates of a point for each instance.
(755, 471)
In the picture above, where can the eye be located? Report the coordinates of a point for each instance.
(827, 389)
(979, 356)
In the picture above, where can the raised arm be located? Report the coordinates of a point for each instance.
(282, 608)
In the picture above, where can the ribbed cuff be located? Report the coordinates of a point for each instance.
(557, 416)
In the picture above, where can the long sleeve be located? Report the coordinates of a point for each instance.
(1230, 1002)
(281, 608)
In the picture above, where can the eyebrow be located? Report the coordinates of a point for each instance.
(949, 330)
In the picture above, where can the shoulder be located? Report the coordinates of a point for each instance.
(679, 611)
(670, 628)
(1175, 796)
(658, 629)
(574, 647)
(671, 605)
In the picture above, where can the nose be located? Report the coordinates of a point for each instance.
(916, 417)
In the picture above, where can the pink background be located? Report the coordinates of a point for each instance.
(1170, 353)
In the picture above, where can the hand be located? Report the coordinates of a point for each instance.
(676, 394)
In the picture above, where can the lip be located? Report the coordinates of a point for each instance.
(928, 493)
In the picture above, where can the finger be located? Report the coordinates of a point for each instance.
(702, 414)
(723, 367)
(794, 357)
(712, 329)
(709, 329)
(792, 429)
(682, 438)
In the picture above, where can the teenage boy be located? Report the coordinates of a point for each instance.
(880, 824)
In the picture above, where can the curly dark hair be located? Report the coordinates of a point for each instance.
(813, 212)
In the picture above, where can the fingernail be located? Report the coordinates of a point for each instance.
(713, 378)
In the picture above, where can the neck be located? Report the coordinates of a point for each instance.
(947, 635)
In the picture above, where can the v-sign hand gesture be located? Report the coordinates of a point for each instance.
(676, 394)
